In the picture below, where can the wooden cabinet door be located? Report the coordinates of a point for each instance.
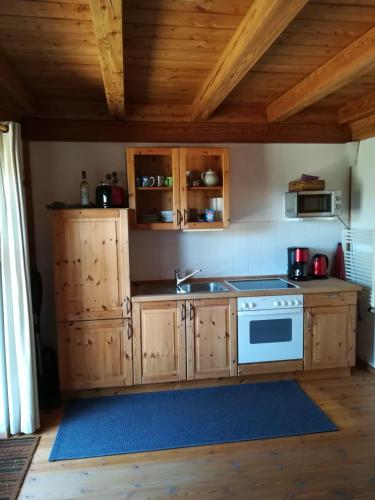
(195, 199)
(159, 342)
(211, 338)
(151, 200)
(92, 278)
(329, 337)
(95, 354)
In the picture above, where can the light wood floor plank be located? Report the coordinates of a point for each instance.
(335, 465)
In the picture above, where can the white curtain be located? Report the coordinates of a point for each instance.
(18, 388)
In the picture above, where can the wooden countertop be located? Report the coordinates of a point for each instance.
(165, 290)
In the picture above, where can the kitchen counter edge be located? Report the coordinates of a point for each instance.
(330, 285)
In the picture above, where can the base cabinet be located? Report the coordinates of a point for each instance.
(211, 339)
(330, 336)
(159, 342)
(179, 340)
(95, 354)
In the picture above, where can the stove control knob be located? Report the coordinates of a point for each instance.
(277, 303)
(251, 305)
(291, 303)
(283, 303)
(299, 303)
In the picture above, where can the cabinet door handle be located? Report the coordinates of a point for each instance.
(309, 322)
(179, 217)
(191, 311)
(127, 305)
(185, 216)
(183, 312)
(129, 329)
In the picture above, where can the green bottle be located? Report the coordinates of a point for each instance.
(84, 190)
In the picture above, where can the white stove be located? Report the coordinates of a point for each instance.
(270, 328)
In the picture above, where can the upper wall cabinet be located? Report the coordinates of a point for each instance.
(176, 188)
(92, 279)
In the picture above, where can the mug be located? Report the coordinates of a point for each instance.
(189, 178)
(168, 181)
(209, 215)
(138, 181)
(160, 180)
(148, 181)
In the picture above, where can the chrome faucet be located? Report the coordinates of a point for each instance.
(180, 280)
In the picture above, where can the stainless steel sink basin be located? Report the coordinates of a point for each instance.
(207, 286)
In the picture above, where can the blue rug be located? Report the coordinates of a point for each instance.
(189, 417)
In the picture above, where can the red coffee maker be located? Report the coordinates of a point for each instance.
(320, 264)
(298, 263)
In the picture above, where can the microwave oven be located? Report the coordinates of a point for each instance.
(312, 204)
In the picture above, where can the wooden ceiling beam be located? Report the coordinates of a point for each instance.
(169, 133)
(363, 129)
(354, 60)
(361, 108)
(263, 23)
(107, 19)
(13, 93)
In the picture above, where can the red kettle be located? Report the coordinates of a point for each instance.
(320, 266)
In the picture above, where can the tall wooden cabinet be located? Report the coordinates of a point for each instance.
(92, 296)
(178, 171)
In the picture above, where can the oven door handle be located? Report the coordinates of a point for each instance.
(271, 312)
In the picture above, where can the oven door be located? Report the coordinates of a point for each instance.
(272, 335)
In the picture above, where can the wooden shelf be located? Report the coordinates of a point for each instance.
(204, 188)
(154, 225)
(162, 188)
(203, 225)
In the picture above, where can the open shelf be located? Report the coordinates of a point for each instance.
(161, 188)
(205, 188)
(155, 225)
(204, 225)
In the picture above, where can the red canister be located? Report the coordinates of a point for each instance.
(117, 196)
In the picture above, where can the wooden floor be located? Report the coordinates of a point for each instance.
(334, 465)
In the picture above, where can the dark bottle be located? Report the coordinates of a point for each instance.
(103, 195)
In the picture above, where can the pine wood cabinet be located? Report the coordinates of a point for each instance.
(95, 354)
(186, 201)
(211, 338)
(91, 260)
(179, 340)
(159, 342)
(92, 298)
(330, 331)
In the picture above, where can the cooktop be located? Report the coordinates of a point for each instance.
(264, 284)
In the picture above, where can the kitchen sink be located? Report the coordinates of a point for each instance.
(206, 286)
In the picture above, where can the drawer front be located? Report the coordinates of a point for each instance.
(329, 299)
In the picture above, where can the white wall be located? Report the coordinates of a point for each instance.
(363, 216)
(363, 187)
(255, 243)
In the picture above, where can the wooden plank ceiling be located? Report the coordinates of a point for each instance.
(189, 70)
